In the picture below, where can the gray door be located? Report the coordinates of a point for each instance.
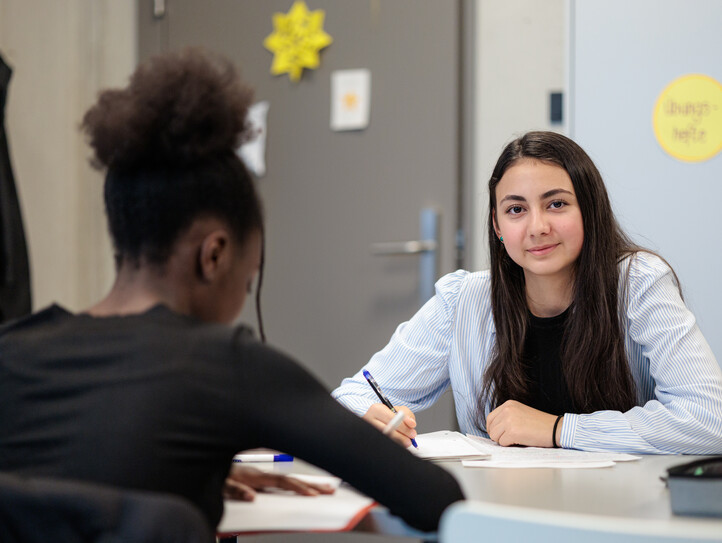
(330, 195)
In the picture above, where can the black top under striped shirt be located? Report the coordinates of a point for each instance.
(548, 391)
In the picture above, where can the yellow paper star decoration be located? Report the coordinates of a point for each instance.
(296, 39)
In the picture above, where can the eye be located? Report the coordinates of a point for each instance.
(515, 210)
(557, 204)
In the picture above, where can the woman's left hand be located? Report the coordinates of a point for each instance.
(513, 423)
(243, 482)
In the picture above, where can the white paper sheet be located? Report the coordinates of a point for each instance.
(536, 464)
(253, 152)
(350, 99)
(446, 445)
(539, 457)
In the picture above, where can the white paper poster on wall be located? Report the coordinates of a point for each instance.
(253, 152)
(350, 99)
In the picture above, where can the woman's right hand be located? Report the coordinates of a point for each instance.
(379, 416)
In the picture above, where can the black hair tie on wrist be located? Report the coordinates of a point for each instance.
(554, 432)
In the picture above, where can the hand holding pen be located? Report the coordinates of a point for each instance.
(382, 414)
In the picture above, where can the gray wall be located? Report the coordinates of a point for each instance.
(62, 54)
(90, 44)
(624, 55)
(519, 60)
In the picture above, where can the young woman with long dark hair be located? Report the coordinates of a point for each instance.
(152, 388)
(575, 337)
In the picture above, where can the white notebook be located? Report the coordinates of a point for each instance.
(447, 445)
(282, 511)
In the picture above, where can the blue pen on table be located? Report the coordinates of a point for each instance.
(384, 399)
(263, 458)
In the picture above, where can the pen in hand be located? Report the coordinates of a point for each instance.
(384, 399)
(394, 423)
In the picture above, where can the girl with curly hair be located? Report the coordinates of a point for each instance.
(152, 387)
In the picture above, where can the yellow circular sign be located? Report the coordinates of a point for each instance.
(688, 118)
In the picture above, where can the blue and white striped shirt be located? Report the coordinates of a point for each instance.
(449, 343)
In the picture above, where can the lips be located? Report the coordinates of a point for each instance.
(542, 250)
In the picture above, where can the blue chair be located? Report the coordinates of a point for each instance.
(35, 510)
(474, 521)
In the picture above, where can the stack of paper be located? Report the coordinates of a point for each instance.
(480, 452)
(539, 457)
(446, 445)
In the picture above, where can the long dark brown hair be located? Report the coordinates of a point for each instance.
(593, 357)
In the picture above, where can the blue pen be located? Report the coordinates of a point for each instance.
(263, 458)
(384, 399)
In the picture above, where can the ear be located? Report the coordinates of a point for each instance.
(214, 256)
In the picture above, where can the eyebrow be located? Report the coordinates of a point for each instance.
(547, 194)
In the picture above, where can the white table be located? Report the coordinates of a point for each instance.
(628, 489)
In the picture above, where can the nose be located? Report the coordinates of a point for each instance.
(539, 224)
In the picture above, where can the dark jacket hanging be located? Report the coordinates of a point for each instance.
(15, 298)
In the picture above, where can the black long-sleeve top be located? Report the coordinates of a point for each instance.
(160, 401)
(548, 389)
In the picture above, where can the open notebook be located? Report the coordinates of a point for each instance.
(447, 445)
(283, 511)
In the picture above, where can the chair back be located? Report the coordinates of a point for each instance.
(46, 509)
(474, 521)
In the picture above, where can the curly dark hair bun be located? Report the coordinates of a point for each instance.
(168, 141)
(179, 108)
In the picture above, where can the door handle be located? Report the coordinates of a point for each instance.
(427, 248)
